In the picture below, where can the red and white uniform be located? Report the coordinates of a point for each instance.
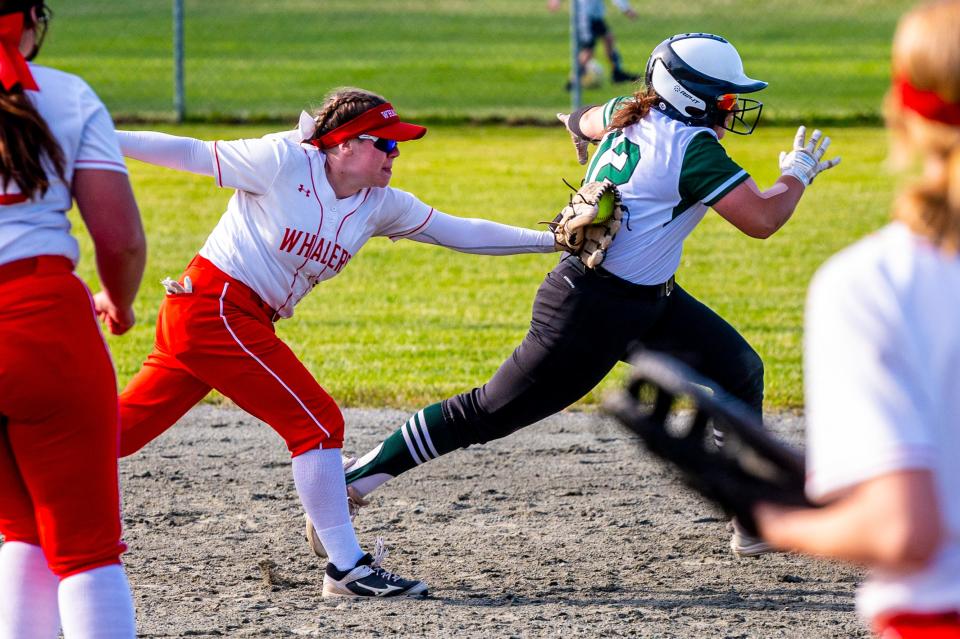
(882, 371)
(82, 126)
(284, 231)
(58, 464)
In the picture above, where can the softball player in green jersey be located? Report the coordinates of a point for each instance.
(661, 147)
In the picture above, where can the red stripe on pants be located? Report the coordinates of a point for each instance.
(221, 336)
(58, 466)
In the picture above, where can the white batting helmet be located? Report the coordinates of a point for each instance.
(698, 78)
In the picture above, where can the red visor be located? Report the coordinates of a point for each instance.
(926, 103)
(381, 121)
(13, 68)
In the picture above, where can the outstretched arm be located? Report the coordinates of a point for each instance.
(591, 122)
(171, 151)
(472, 235)
(585, 126)
(759, 213)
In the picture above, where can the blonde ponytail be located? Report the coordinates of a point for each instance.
(926, 59)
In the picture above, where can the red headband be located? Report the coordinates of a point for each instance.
(926, 103)
(381, 121)
(13, 68)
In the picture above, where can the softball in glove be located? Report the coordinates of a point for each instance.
(587, 225)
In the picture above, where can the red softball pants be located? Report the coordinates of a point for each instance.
(919, 626)
(221, 336)
(58, 408)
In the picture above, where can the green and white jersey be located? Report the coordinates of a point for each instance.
(668, 174)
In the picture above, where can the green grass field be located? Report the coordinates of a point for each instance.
(454, 59)
(406, 323)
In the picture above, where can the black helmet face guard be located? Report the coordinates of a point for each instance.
(743, 118)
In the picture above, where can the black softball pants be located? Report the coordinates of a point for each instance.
(584, 323)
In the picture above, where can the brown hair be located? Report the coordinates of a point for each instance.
(926, 53)
(25, 137)
(634, 110)
(342, 105)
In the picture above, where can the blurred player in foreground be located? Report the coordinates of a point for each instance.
(882, 358)
(306, 201)
(59, 497)
(662, 148)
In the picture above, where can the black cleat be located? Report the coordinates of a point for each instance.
(619, 75)
(369, 579)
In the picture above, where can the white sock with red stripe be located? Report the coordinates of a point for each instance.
(28, 593)
(318, 476)
(97, 603)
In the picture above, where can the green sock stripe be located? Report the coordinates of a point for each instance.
(421, 425)
(423, 437)
(442, 435)
(412, 439)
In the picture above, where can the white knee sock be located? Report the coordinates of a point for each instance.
(97, 604)
(28, 593)
(318, 476)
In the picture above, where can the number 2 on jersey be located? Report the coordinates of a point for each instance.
(615, 159)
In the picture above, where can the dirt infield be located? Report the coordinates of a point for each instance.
(563, 529)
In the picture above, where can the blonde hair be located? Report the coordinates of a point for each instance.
(342, 105)
(926, 53)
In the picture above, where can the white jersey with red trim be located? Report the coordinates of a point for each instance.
(882, 377)
(284, 230)
(83, 129)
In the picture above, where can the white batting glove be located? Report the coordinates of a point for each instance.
(580, 144)
(173, 287)
(803, 162)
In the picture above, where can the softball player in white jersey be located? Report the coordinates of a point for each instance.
(306, 201)
(59, 496)
(882, 368)
(668, 163)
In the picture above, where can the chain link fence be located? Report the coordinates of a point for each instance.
(451, 60)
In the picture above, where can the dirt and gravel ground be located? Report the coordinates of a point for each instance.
(563, 529)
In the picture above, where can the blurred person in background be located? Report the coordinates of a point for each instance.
(305, 202)
(59, 498)
(591, 26)
(882, 367)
